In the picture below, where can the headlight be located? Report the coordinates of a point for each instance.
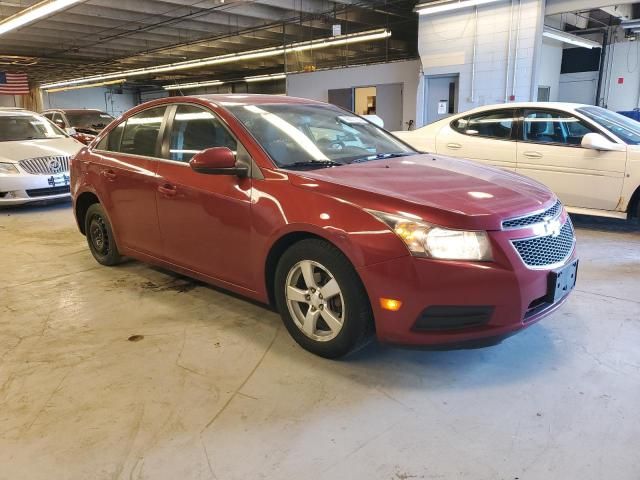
(8, 168)
(426, 240)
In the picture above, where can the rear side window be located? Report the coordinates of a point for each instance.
(494, 124)
(195, 129)
(58, 120)
(140, 135)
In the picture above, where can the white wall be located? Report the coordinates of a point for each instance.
(624, 61)
(445, 44)
(315, 85)
(550, 63)
(9, 101)
(578, 87)
(101, 98)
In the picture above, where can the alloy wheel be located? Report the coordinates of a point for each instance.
(315, 300)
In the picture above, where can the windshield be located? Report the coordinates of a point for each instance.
(26, 126)
(92, 120)
(626, 129)
(316, 135)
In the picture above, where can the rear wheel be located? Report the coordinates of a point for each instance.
(321, 299)
(100, 236)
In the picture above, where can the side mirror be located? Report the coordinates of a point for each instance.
(595, 141)
(217, 161)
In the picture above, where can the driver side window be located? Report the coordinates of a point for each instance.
(195, 129)
(542, 126)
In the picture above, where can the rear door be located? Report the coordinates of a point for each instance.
(205, 219)
(128, 160)
(487, 137)
(550, 151)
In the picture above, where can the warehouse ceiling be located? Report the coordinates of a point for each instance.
(106, 36)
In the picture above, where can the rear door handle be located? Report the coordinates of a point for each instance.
(109, 174)
(168, 190)
(454, 146)
(532, 154)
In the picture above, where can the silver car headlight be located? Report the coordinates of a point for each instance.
(426, 240)
(8, 168)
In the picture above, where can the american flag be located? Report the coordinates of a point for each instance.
(14, 84)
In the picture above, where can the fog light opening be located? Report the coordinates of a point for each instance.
(390, 304)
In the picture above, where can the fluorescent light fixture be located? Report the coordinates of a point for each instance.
(569, 38)
(90, 85)
(33, 13)
(187, 86)
(433, 8)
(629, 24)
(233, 57)
(265, 78)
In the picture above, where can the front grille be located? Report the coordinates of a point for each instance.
(43, 192)
(546, 251)
(46, 165)
(527, 220)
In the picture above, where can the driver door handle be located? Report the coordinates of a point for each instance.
(168, 190)
(532, 154)
(454, 146)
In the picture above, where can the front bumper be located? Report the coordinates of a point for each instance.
(24, 188)
(483, 301)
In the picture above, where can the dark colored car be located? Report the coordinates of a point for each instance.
(344, 228)
(81, 124)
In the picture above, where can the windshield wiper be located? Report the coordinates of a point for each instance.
(382, 156)
(313, 163)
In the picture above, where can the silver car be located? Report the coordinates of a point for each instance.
(34, 158)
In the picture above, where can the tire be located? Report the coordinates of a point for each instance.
(332, 325)
(100, 237)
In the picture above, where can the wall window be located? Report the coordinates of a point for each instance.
(543, 126)
(493, 124)
(195, 129)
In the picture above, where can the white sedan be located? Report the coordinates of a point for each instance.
(589, 156)
(34, 158)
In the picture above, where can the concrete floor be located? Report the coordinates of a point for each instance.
(217, 389)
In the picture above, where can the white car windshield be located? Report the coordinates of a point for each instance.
(313, 136)
(622, 127)
(25, 126)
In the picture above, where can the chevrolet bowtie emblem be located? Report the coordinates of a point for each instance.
(552, 227)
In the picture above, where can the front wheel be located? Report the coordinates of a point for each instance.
(100, 237)
(321, 299)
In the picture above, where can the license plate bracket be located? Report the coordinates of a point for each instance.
(561, 282)
(59, 180)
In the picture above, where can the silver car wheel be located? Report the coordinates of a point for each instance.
(314, 300)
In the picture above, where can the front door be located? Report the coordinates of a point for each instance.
(550, 151)
(205, 220)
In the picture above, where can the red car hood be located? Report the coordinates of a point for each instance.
(442, 189)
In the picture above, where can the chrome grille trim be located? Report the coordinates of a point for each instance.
(547, 252)
(45, 165)
(533, 218)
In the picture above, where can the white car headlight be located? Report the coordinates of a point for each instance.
(427, 240)
(8, 168)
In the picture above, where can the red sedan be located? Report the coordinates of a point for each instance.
(344, 228)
